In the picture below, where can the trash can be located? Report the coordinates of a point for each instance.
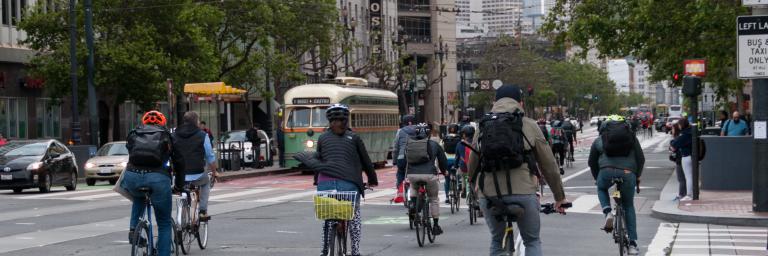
(231, 159)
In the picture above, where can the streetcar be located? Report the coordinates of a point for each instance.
(373, 115)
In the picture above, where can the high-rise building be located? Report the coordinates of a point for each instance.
(503, 17)
(424, 27)
(469, 19)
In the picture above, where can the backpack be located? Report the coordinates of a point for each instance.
(501, 141)
(450, 142)
(618, 139)
(568, 127)
(417, 151)
(150, 146)
(558, 135)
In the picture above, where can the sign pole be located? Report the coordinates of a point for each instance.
(760, 145)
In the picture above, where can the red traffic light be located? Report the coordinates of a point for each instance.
(676, 77)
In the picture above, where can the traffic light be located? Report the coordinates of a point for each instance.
(676, 77)
(691, 86)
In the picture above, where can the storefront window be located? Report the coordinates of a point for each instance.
(48, 117)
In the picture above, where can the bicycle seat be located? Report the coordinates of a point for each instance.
(421, 183)
(145, 189)
(617, 180)
(500, 209)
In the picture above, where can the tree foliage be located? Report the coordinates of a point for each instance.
(661, 33)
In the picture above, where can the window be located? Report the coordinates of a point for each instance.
(299, 117)
(14, 12)
(4, 9)
(418, 29)
(48, 116)
(318, 117)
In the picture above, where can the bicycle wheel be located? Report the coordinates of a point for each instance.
(508, 243)
(140, 247)
(456, 194)
(174, 239)
(341, 239)
(472, 212)
(621, 232)
(452, 193)
(202, 234)
(418, 223)
(186, 234)
(427, 217)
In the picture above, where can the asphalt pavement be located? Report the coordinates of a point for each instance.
(273, 215)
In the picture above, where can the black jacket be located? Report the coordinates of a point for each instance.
(189, 139)
(342, 157)
(170, 152)
(252, 135)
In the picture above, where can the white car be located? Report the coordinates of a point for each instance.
(237, 140)
(593, 121)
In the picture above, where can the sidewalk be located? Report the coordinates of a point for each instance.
(714, 207)
(252, 172)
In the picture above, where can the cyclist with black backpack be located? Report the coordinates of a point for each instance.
(557, 140)
(421, 153)
(510, 144)
(450, 143)
(617, 154)
(570, 135)
(150, 147)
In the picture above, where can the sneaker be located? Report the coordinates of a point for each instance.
(562, 172)
(142, 240)
(204, 215)
(633, 250)
(608, 227)
(686, 198)
(436, 230)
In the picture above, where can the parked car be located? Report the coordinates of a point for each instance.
(593, 120)
(41, 164)
(110, 161)
(237, 140)
(670, 122)
(659, 124)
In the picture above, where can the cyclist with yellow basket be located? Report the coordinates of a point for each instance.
(339, 162)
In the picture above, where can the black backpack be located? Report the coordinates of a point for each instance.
(618, 139)
(450, 142)
(501, 141)
(418, 150)
(150, 146)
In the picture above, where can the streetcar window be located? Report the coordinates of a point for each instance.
(299, 117)
(318, 117)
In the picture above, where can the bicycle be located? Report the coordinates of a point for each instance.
(568, 156)
(422, 220)
(472, 204)
(515, 212)
(619, 228)
(143, 240)
(454, 196)
(337, 207)
(191, 227)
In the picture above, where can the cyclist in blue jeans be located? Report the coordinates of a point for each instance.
(195, 146)
(629, 168)
(339, 163)
(150, 147)
(398, 152)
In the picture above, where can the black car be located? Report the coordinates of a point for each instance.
(39, 164)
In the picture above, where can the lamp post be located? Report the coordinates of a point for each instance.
(440, 53)
(73, 71)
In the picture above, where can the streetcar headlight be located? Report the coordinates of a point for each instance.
(310, 144)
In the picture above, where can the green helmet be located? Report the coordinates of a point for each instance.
(616, 118)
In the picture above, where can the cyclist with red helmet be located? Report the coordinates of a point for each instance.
(150, 147)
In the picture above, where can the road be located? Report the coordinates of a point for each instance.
(274, 216)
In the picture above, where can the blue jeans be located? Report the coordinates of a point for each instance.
(528, 226)
(355, 225)
(161, 201)
(627, 191)
(401, 164)
(204, 183)
(448, 181)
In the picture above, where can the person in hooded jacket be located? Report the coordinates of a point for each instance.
(428, 173)
(398, 152)
(195, 145)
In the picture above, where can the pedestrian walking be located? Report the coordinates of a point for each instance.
(735, 127)
(683, 144)
(252, 135)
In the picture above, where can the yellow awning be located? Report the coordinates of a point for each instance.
(215, 88)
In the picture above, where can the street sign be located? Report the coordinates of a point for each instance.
(754, 2)
(497, 84)
(696, 67)
(485, 85)
(752, 46)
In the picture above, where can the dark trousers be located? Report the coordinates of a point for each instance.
(682, 189)
(559, 149)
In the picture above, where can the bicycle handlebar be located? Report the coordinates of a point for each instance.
(549, 208)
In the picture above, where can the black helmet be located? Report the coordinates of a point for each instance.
(408, 119)
(337, 111)
(423, 130)
(453, 128)
(468, 130)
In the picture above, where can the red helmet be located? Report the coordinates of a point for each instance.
(153, 117)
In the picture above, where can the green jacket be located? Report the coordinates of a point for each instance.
(523, 183)
(633, 162)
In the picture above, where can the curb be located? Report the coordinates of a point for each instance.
(255, 173)
(666, 209)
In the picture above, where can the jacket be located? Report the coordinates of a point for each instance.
(341, 156)
(633, 162)
(252, 135)
(437, 154)
(171, 153)
(684, 143)
(523, 182)
(189, 139)
(400, 139)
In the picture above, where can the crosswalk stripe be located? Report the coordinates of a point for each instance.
(381, 193)
(287, 197)
(241, 193)
(758, 241)
(725, 247)
(584, 204)
(59, 194)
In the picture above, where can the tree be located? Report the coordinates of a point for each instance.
(138, 44)
(661, 33)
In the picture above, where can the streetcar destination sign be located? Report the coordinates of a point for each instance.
(752, 50)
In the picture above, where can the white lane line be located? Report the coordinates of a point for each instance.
(287, 197)
(684, 234)
(241, 193)
(52, 210)
(644, 145)
(584, 204)
(380, 193)
(65, 194)
(724, 247)
(749, 241)
(724, 230)
(81, 198)
(570, 177)
(660, 245)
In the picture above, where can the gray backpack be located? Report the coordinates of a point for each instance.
(417, 151)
